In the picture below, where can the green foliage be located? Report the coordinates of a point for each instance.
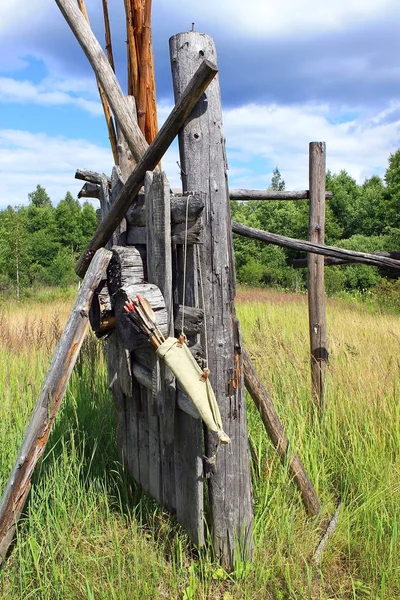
(39, 244)
(365, 218)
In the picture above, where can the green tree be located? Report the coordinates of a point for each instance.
(277, 183)
(39, 197)
(69, 223)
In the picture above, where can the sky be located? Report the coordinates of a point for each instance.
(291, 72)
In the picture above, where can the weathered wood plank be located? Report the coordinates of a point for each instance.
(260, 195)
(200, 80)
(90, 190)
(362, 258)
(315, 273)
(47, 406)
(159, 267)
(279, 439)
(203, 162)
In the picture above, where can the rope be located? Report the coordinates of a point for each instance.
(184, 265)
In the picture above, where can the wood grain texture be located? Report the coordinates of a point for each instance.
(46, 409)
(315, 273)
(278, 437)
(203, 162)
(260, 195)
(196, 85)
(362, 258)
(301, 263)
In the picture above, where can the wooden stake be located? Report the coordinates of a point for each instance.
(144, 66)
(315, 279)
(106, 107)
(48, 404)
(276, 432)
(133, 71)
(108, 35)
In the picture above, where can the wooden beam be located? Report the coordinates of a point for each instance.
(51, 395)
(303, 246)
(199, 82)
(315, 273)
(90, 190)
(91, 176)
(279, 439)
(260, 195)
(301, 263)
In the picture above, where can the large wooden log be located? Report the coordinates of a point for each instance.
(260, 195)
(196, 86)
(279, 439)
(37, 434)
(362, 258)
(203, 161)
(315, 273)
(91, 176)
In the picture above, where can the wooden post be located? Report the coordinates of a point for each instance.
(316, 280)
(51, 395)
(203, 162)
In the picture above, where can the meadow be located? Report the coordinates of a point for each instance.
(88, 531)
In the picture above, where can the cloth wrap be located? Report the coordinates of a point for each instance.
(186, 370)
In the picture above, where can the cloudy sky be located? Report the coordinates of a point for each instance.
(291, 71)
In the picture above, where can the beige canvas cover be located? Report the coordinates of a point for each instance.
(185, 368)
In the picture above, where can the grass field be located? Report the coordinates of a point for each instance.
(90, 534)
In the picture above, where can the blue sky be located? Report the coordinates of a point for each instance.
(291, 72)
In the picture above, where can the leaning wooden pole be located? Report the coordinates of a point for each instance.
(154, 153)
(279, 439)
(51, 395)
(316, 279)
(202, 152)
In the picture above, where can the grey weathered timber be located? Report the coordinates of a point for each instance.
(203, 162)
(51, 395)
(90, 176)
(193, 320)
(362, 258)
(136, 215)
(301, 263)
(197, 84)
(105, 75)
(90, 190)
(279, 439)
(260, 195)
(315, 273)
(159, 269)
(179, 232)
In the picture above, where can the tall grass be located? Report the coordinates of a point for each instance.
(90, 533)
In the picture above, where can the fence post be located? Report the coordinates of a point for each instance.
(316, 280)
(203, 164)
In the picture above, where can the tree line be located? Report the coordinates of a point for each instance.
(359, 217)
(40, 242)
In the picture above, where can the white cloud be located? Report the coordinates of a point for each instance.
(279, 135)
(49, 92)
(259, 137)
(261, 18)
(27, 160)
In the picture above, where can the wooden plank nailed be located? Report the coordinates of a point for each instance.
(51, 395)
